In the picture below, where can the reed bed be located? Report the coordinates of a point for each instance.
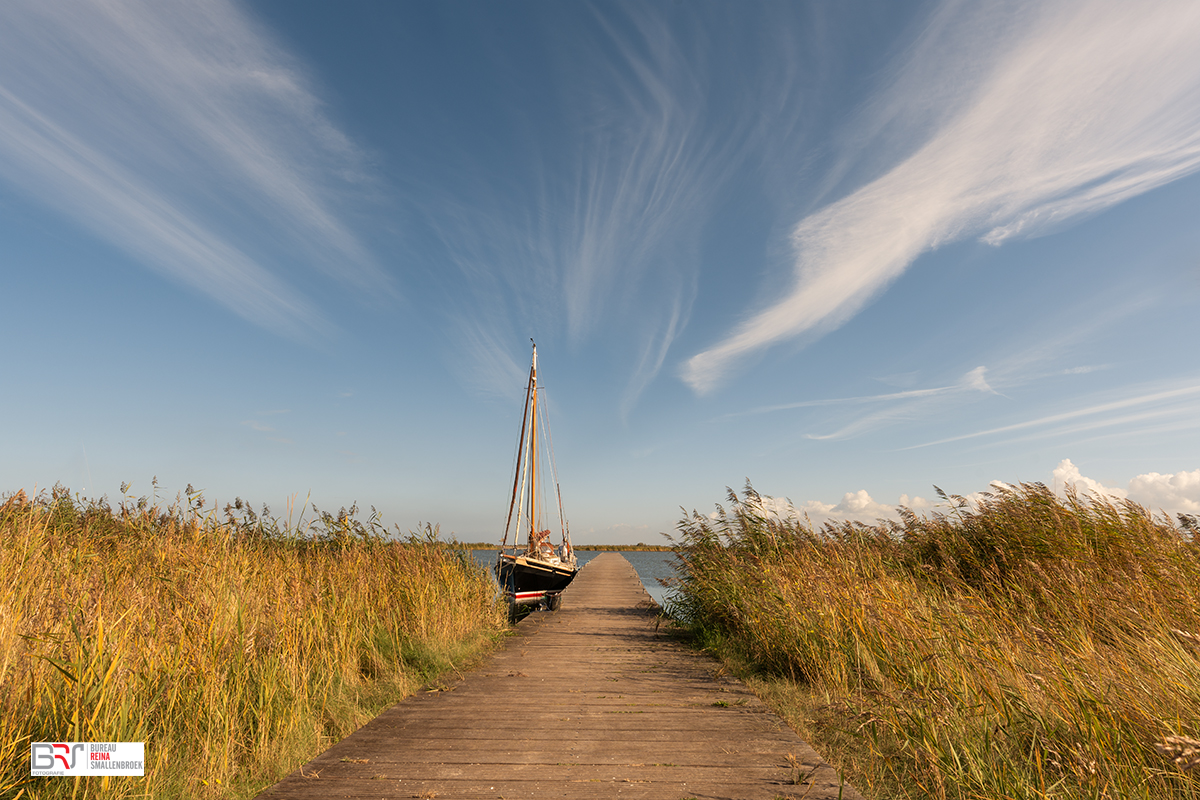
(235, 648)
(1023, 645)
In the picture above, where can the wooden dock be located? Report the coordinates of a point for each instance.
(591, 701)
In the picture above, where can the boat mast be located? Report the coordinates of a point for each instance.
(519, 473)
(533, 451)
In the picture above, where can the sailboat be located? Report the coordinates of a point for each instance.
(535, 574)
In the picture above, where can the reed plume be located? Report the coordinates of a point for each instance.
(1021, 645)
(234, 645)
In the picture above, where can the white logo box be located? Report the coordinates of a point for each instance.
(73, 759)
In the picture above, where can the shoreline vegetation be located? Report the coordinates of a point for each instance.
(1022, 645)
(604, 548)
(236, 647)
(1019, 645)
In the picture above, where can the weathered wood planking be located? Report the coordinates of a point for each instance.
(587, 702)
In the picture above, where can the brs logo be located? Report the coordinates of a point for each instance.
(47, 756)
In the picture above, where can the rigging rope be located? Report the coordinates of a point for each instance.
(517, 461)
(562, 519)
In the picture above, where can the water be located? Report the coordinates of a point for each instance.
(649, 564)
(652, 565)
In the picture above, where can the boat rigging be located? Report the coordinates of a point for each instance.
(537, 573)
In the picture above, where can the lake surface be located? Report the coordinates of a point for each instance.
(651, 565)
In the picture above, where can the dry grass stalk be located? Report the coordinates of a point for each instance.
(234, 648)
(1004, 647)
(1183, 752)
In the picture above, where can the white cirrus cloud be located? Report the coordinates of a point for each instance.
(1177, 406)
(974, 380)
(604, 243)
(1038, 114)
(181, 134)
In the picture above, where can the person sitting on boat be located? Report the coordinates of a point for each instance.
(541, 545)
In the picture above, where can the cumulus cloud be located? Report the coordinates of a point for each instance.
(1039, 116)
(856, 505)
(915, 503)
(859, 506)
(779, 507)
(1067, 474)
(1173, 493)
(1176, 493)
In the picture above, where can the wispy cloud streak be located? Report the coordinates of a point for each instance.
(909, 404)
(184, 136)
(603, 242)
(654, 353)
(1182, 399)
(1055, 111)
(974, 380)
(644, 175)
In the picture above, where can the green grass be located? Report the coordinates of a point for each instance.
(1025, 646)
(236, 647)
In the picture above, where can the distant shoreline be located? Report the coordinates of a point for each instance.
(657, 548)
(662, 548)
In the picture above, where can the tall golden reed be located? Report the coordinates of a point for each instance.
(1023, 646)
(235, 649)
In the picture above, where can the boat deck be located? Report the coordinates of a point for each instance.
(591, 701)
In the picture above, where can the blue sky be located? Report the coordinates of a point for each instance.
(848, 251)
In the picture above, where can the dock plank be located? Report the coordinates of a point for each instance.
(591, 701)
